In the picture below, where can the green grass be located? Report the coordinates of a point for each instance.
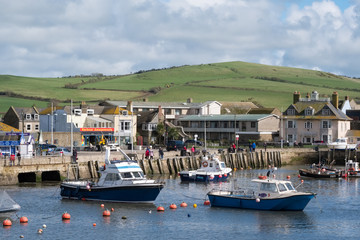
(269, 86)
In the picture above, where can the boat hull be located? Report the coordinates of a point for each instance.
(139, 193)
(319, 174)
(290, 203)
(185, 177)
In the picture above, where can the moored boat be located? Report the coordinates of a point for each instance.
(121, 181)
(7, 204)
(212, 169)
(341, 144)
(351, 169)
(271, 194)
(320, 173)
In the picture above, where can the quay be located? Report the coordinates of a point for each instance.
(57, 168)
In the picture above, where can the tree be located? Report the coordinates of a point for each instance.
(173, 133)
(160, 131)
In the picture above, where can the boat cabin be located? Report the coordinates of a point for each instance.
(352, 166)
(273, 186)
(211, 164)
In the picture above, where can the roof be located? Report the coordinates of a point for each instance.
(6, 128)
(227, 117)
(264, 111)
(155, 105)
(97, 119)
(245, 105)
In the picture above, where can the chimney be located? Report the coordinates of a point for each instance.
(83, 105)
(145, 99)
(307, 97)
(160, 115)
(335, 100)
(296, 97)
(129, 106)
(189, 100)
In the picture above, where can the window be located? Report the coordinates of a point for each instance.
(291, 112)
(36, 127)
(138, 174)
(197, 111)
(126, 175)
(326, 124)
(309, 111)
(291, 124)
(282, 187)
(90, 112)
(28, 127)
(125, 126)
(28, 116)
(290, 187)
(269, 187)
(253, 124)
(308, 124)
(325, 112)
(77, 112)
(290, 138)
(177, 111)
(112, 177)
(167, 111)
(36, 116)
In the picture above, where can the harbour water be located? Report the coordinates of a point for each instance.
(334, 213)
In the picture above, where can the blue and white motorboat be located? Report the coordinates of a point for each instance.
(271, 194)
(120, 181)
(212, 169)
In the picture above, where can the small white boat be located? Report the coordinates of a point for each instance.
(7, 204)
(121, 181)
(341, 144)
(351, 169)
(212, 169)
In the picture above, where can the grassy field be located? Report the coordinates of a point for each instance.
(269, 86)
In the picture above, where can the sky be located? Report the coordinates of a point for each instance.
(52, 38)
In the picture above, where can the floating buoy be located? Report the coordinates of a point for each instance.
(44, 226)
(288, 177)
(189, 215)
(207, 202)
(241, 168)
(225, 175)
(302, 181)
(262, 177)
(106, 213)
(24, 220)
(274, 175)
(112, 209)
(183, 204)
(39, 231)
(220, 176)
(173, 206)
(234, 169)
(94, 224)
(7, 223)
(160, 209)
(102, 205)
(21, 236)
(66, 216)
(299, 176)
(84, 199)
(195, 206)
(257, 199)
(149, 211)
(123, 217)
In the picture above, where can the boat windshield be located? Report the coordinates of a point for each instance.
(269, 187)
(125, 175)
(138, 174)
(282, 187)
(128, 175)
(289, 186)
(223, 165)
(110, 177)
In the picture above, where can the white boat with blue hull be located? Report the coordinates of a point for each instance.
(120, 181)
(211, 170)
(274, 195)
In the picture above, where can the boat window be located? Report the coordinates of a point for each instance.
(282, 187)
(112, 177)
(138, 175)
(269, 187)
(126, 175)
(289, 186)
(223, 165)
(211, 165)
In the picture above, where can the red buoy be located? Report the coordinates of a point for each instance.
(102, 205)
(106, 213)
(288, 177)
(299, 176)
(207, 202)
(7, 223)
(220, 176)
(173, 206)
(183, 204)
(160, 209)
(112, 209)
(24, 219)
(66, 216)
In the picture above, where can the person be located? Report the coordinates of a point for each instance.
(147, 153)
(265, 146)
(74, 155)
(151, 153)
(161, 153)
(250, 146)
(253, 146)
(193, 150)
(18, 157)
(234, 147)
(12, 160)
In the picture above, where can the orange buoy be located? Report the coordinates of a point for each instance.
(24, 219)
(173, 206)
(262, 177)
(102, 205)
(112, 209)
(66, 216)
(235, 169)
(220, 176)
(106, 213)
(7, 223)
(288, 177)
(183, 204)
(302, 181)
(207, 202)
(160, 209)
(94, 224)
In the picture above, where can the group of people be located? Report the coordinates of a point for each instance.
(149, 153)
(12, 158)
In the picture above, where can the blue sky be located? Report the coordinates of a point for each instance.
(50, 38)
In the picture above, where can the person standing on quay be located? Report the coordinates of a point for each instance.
(193, 150)
(253, 146)
(161, 153)
(18, 157)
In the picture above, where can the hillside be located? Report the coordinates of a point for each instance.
(268, 86)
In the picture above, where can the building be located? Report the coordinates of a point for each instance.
(312, 119)
(227, 128)
(25, 119)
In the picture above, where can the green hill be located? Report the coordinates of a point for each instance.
(268, 86)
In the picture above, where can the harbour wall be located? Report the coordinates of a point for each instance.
(50, 168)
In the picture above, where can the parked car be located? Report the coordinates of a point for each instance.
(196, 143)
(61, 151)
(49, 148)
(174, 145)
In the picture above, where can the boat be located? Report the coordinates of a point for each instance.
(320, 170)
(341, 144)
(120, 181)
(7, 204)
(351, 169)
(270, 195)
(212, 169)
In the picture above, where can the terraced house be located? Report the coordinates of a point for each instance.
(312, 119)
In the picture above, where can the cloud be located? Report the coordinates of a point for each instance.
(61, 38)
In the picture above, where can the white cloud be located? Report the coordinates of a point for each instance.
(56, 38)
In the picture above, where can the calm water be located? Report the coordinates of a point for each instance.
(333, 213)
